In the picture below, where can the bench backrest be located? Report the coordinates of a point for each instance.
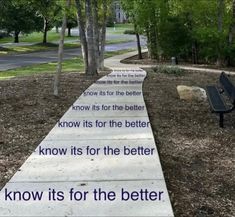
(228, 86)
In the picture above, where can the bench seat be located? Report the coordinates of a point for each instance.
(216, 101)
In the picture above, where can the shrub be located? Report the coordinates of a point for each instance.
(170, 70)
(3, 34)
(129, 32)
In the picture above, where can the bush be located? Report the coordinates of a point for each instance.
(129, 32)
(110, 21)
(170, 70)
(3, 34)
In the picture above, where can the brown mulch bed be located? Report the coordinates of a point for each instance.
(197, 156)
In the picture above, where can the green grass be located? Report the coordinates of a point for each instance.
(36, 37)
(72, 65)
(75, 64)
(120, 28)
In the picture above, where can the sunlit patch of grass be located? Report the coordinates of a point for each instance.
(36, 37)
(6, 78)
(118, 52)
(75, 64)
(52, 36)
(120, 28)
(118, 41)
(3, 52)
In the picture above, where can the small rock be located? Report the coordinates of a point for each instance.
(2, 168)
(1, 140)
(30, 103)
(191, 93)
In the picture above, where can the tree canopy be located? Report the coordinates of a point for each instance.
(19, 16)
(201, 30)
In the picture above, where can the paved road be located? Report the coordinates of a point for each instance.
(19, 60)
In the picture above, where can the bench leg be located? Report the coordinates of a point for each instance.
(221, 120)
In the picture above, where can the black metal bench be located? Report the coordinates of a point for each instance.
(222, 98)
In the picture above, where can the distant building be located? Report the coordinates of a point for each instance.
(120, 16)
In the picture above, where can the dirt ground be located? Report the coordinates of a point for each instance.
(197, 156)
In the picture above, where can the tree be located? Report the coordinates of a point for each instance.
(82, 32)
(71, 17)
(61, 50)
(91, 40)
(146, 17)
(92, 20)
(231, 36)
(71, 23)
(131, 9)
(221, 5)
(175, 38)
(148, 21)
(104, 20)
(48, 10)
(18, 17)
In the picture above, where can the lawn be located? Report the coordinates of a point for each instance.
(72, 65)
(120, 28)
(36, 37)
(52, 36)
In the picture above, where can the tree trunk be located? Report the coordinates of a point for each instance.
(103, 35)
(195, 52)
(152, 42)
(82, 34)
(220, 15)
(57, 29)
(138, 42)
(96, 33)
(219, 61)
(232, 27)
(45, 29)
(153, 33)
(148, 42)
(69, 32)
(139, 46)
(60, 53)
(16, 36)
(92, 68)
(231, 36)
